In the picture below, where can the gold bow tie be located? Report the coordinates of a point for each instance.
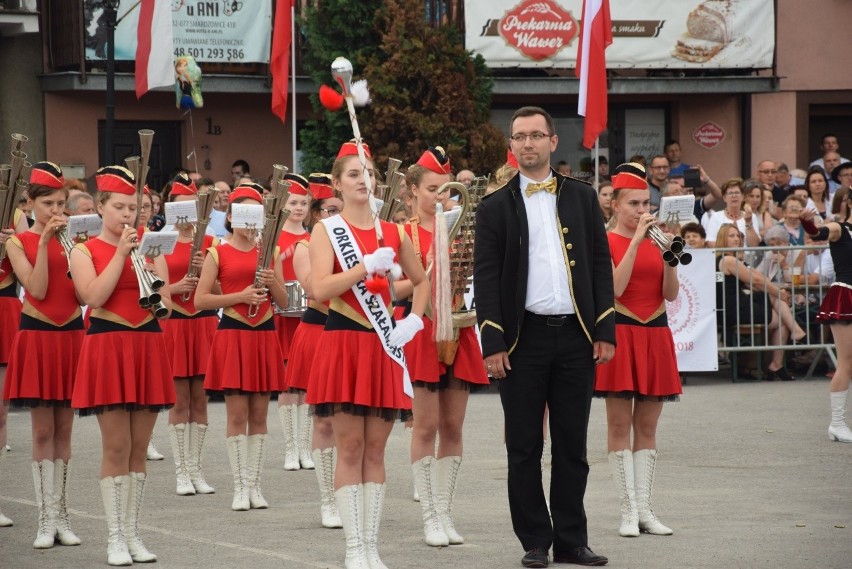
(548, 186)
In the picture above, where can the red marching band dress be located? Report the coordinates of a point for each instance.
(286, 326)
(10, 304)
(121, 364)
(421, 353)
(351, 372)
(245, 356)
(644, 366)
(44, 355)
(836, 307)
(188, 331)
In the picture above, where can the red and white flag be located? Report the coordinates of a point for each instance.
(595, 37)
(279, 62)
(154, 47)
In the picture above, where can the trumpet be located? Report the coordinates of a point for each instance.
(205, 206)
(149, 283)
(276, 214)
(390, 190)
(13, 184)
(672, 247)
(67, 244)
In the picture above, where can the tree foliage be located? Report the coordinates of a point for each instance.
(429, 91)
(332, 28)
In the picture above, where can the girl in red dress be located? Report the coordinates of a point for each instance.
(245, 358)
(304, 348)
(441, 391)
(117, 379)
(292, 409)
(10, 317)
(643, 374)
(189, 335)
(44, 354)
(353, 378)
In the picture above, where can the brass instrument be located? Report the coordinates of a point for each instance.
(204, 204)
(672, 248)
(275, 213)
(149, 283)
(461, 236)
(13, 183)
(67, 244)
(390, 190)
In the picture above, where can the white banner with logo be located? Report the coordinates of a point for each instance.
(647, 34)
(212, 31)
(692, 315)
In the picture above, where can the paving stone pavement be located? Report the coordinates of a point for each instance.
(746, 477)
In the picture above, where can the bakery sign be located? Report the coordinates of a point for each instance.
(647, 34)
(708, 135)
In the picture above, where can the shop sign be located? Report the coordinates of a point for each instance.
(538, 29)
(708, 135)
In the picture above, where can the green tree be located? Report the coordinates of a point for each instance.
(332, 28)
(427, 90)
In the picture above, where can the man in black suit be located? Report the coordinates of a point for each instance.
(544, 301)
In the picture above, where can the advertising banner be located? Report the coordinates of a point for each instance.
(647, 34)
(220, 31)
(692, 315)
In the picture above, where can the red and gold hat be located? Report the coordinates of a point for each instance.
(629, 176)
(435, 159)
(320, 186)
(47, 174)
(298, 184)
(116, 179)
(511, 160)
(249, 190)
(350, 148)
(183, 186)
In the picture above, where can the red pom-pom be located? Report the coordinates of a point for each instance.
(330, 99)
(376, 284)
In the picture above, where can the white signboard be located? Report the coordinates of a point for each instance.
(156, 243)
(220, 31)
(247, 216)
(644, 132)
(647, 34)
(692, 315)
(181, 212)
(83, 227)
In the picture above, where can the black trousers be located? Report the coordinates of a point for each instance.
(554, 366)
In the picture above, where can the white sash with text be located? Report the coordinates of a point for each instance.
(349, 255)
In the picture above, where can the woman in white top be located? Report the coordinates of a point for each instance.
(816, 184)
(735, 213)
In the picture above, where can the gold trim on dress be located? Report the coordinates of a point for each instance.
(105, 314)
(232, 313)
(621, 309)
(34, 312)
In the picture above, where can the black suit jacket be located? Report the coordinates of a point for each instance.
(501, 258)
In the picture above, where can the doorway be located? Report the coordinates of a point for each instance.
(165, 150)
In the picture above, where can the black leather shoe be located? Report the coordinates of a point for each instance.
(581, 556)
(535, 557)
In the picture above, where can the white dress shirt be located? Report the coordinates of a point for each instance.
(547, 278)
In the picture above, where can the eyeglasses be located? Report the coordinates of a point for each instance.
(767, 171)
(146, 208)
(330, 210)
(521, 138)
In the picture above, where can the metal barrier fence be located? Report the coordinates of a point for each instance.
(744, 322)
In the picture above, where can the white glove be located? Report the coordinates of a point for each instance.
(405, 330)
(379, 261)
(396, 272)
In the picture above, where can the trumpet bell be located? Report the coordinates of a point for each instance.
(160, 311)
(676, 245)
(685, 258)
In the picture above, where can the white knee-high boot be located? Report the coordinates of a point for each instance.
(5, 521)
(177, 436)
(838, 430)
(448, 474)
(425, 478)
(374, 498)
(621, 466)
(324, 465)
(256, 450)
(60, 490)
(197, 432)
(289, 416)
(114, 494)
(644, 463)
(238, 457)
(305, 432)
(350, 502)
(152, 452)
(136, 495)
(43, 482)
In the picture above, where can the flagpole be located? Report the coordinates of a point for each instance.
(293, 78)
(597, 165)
